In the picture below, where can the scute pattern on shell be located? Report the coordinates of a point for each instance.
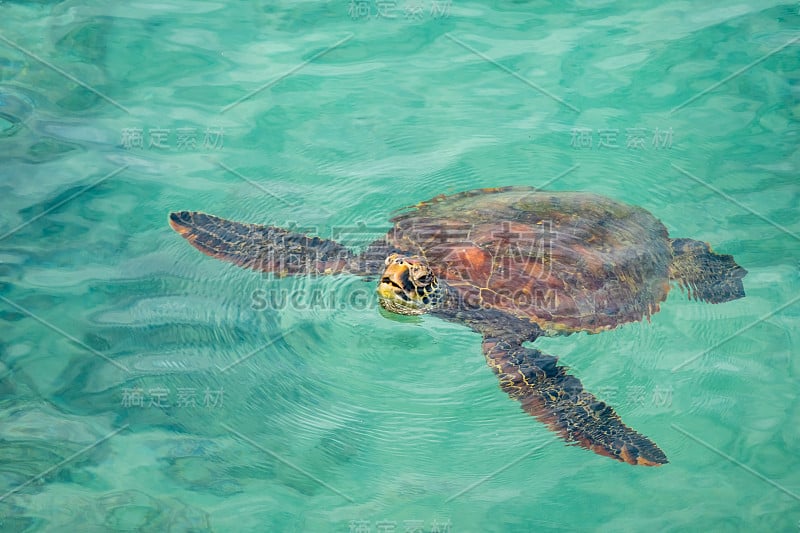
(566, 261)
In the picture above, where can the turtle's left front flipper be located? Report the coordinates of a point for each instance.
(558, 399)
(263, 248)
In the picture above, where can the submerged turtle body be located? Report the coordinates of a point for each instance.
(567, 261)
(512, 264)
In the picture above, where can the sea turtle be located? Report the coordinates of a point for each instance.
(512, 264)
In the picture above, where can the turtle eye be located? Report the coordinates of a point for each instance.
(425, 279)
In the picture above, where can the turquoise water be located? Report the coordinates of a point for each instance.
(144, 386)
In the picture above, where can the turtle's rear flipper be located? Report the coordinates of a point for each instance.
(264, 248)
(556, 398)
(705, 275)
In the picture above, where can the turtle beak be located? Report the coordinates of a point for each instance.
(407, 287)
(394, 282)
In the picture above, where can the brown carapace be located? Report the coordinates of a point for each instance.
(513, 264)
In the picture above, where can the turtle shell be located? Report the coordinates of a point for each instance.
(567, 261)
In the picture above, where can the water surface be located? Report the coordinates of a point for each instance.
(142, 385)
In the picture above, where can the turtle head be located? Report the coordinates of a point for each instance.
(408, 286)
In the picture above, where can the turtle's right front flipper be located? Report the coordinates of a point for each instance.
(263, 248)
(558, 399)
